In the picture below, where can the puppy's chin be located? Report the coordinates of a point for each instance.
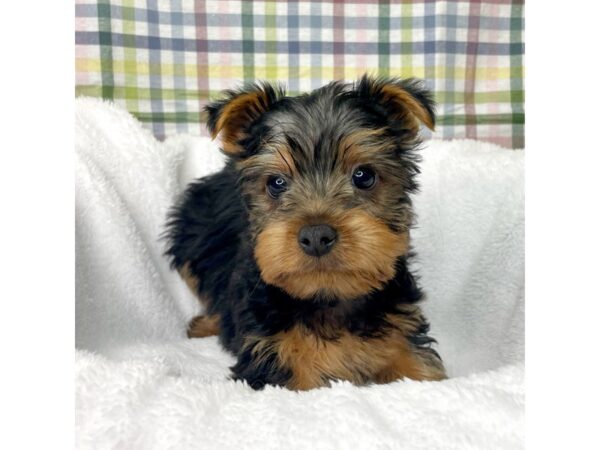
(362, 261)
(330, 284)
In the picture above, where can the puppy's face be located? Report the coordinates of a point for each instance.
(326, 178)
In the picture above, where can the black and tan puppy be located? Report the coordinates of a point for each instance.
(298, 248)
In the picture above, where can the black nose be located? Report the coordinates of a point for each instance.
(317, 240)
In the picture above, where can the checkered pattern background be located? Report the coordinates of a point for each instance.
(163, 60)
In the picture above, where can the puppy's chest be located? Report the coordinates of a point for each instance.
(328, 350)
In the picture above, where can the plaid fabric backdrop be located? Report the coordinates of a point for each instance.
(163, 59)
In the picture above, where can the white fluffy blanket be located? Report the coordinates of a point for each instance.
(141, 384)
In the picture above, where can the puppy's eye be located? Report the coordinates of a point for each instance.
(363, 178)
(276, 185)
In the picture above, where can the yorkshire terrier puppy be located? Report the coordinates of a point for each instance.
(298, 248)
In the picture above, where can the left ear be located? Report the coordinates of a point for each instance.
(233, 116)
(405, 101)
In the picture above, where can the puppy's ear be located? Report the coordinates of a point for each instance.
(233, 116)
(405, 102)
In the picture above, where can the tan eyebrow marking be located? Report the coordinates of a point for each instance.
(287, 153)
(278, 159)
(357, 147)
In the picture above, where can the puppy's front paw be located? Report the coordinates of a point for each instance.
(260, 368)
(203, 326)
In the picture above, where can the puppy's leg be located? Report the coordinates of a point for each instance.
(203, 326)
(190, 279)
(421, 364)
(258, 365)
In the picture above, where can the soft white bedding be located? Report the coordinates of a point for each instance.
(141, 384)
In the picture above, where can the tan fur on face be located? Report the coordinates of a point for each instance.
(362, 260)
(314, 361)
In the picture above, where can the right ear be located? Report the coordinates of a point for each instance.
(407, 102)
(233, 116)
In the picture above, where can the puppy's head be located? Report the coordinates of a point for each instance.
(326, 177)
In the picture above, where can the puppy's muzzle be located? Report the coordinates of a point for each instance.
(317, 240)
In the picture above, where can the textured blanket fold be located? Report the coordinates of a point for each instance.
(141, 384)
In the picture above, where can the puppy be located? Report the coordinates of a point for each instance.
(298, 248)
